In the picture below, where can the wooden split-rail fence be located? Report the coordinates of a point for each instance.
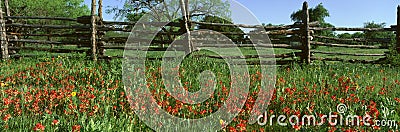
(87, 34)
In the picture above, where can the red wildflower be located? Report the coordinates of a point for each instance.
(232, 129)
(296, 127)
(333, 97)
(287, 90)
(346, 89)
(6, 101)
(370, 88)
(6, 117)
(341, 100)
(286, 110)
(281, 99)
(397, 99)
(333, 129)
(373, 110)
(55, 122)
(76, 128)
(377, 128)
(271, 112)
(241, 127)
(39, 127)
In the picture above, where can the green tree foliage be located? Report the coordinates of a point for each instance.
(133, 10)
(350, 37)
(51, 8)
(377, 34)
(345, 36)
(318, 13)
(170, 9)
(226, 30)
(384, 36)
(280, 39)
(358, 35)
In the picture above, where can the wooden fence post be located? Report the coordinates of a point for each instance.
(398, 30)
(8, 13)
(49, 31)
(101, 34)
(3, 39)
(306, 57)
(94, 32)
(185, 14)
(100, 9)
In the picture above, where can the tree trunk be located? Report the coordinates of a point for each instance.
(93, 27)
(100, 9)
(3, 43)
(398, 30)
(185, 12)
(306, 57)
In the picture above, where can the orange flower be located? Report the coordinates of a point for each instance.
(241, 127)
(55, 122)
(6, 117)
(397, 99)
(6, 101)
(76, 128)
(377, 128)
(296, 127)
(39, 127)
(232, 129)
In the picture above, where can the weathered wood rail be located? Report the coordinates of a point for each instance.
(87, 34)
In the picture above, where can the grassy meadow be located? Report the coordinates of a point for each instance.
(76, 94)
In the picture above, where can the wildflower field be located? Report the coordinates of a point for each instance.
(76, 94)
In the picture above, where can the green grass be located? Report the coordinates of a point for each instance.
(351, 51)
(99, 84)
